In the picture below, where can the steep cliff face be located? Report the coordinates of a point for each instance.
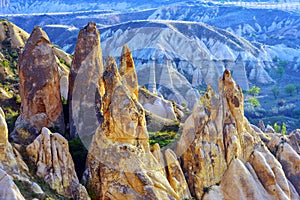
(41, 104)
(86, 70)
(221, 153)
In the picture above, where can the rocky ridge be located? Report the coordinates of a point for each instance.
(175, 72)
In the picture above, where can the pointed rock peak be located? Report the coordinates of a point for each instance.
(111, 74)
(128, 73)
(226, 75)
(88, 42)
(91, 27)
(126, 61)
(208, 98)
(37, 36)
(111, 66)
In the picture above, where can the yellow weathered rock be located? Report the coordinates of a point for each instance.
(224, 157)
(120, 162)
(50, 153)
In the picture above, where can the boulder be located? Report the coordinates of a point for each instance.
(41, 104)
(156, 105)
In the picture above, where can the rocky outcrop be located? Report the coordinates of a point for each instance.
(223, 157)
(41, 104)
(287, 155)
(157, 105)
(86, 70)
(127, 71)
(120, 163)
(8, 189)
(12, 37)
(50, 153)
(10, 159)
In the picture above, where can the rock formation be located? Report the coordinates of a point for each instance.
(12, 37)
(8, 189)
(50, 153)
(86, 69)
(10, 159)
(223, 157)
(157, 105)
(127, 71)
(173, 58)
(41, 104)
(120, 163)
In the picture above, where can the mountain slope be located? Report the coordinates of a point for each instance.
(195, 53)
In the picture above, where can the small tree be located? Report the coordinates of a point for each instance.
(254, 101)
(290, 89)
(283, 129)
(275, 91)
(276, 127)
(280, 71)
(253, 91)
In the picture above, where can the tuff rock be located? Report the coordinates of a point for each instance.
(8, 189)
(120, 162)
(50, 153)
(224, 157)
(86, 70)
(10, 159)
(41, 104)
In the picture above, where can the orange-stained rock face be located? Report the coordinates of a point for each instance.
(41, 104)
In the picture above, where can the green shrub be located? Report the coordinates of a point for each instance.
(253, 91)
(253, 101)
(276, 127)
(162, 138)
(283, 129)
(290, 89)
(275, 91)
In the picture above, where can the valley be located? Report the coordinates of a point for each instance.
(149, 100)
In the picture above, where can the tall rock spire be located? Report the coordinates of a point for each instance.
(84, 79)
(127, 71)
(41, 104)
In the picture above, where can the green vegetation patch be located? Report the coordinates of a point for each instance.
(79, 154)
(163, 138)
